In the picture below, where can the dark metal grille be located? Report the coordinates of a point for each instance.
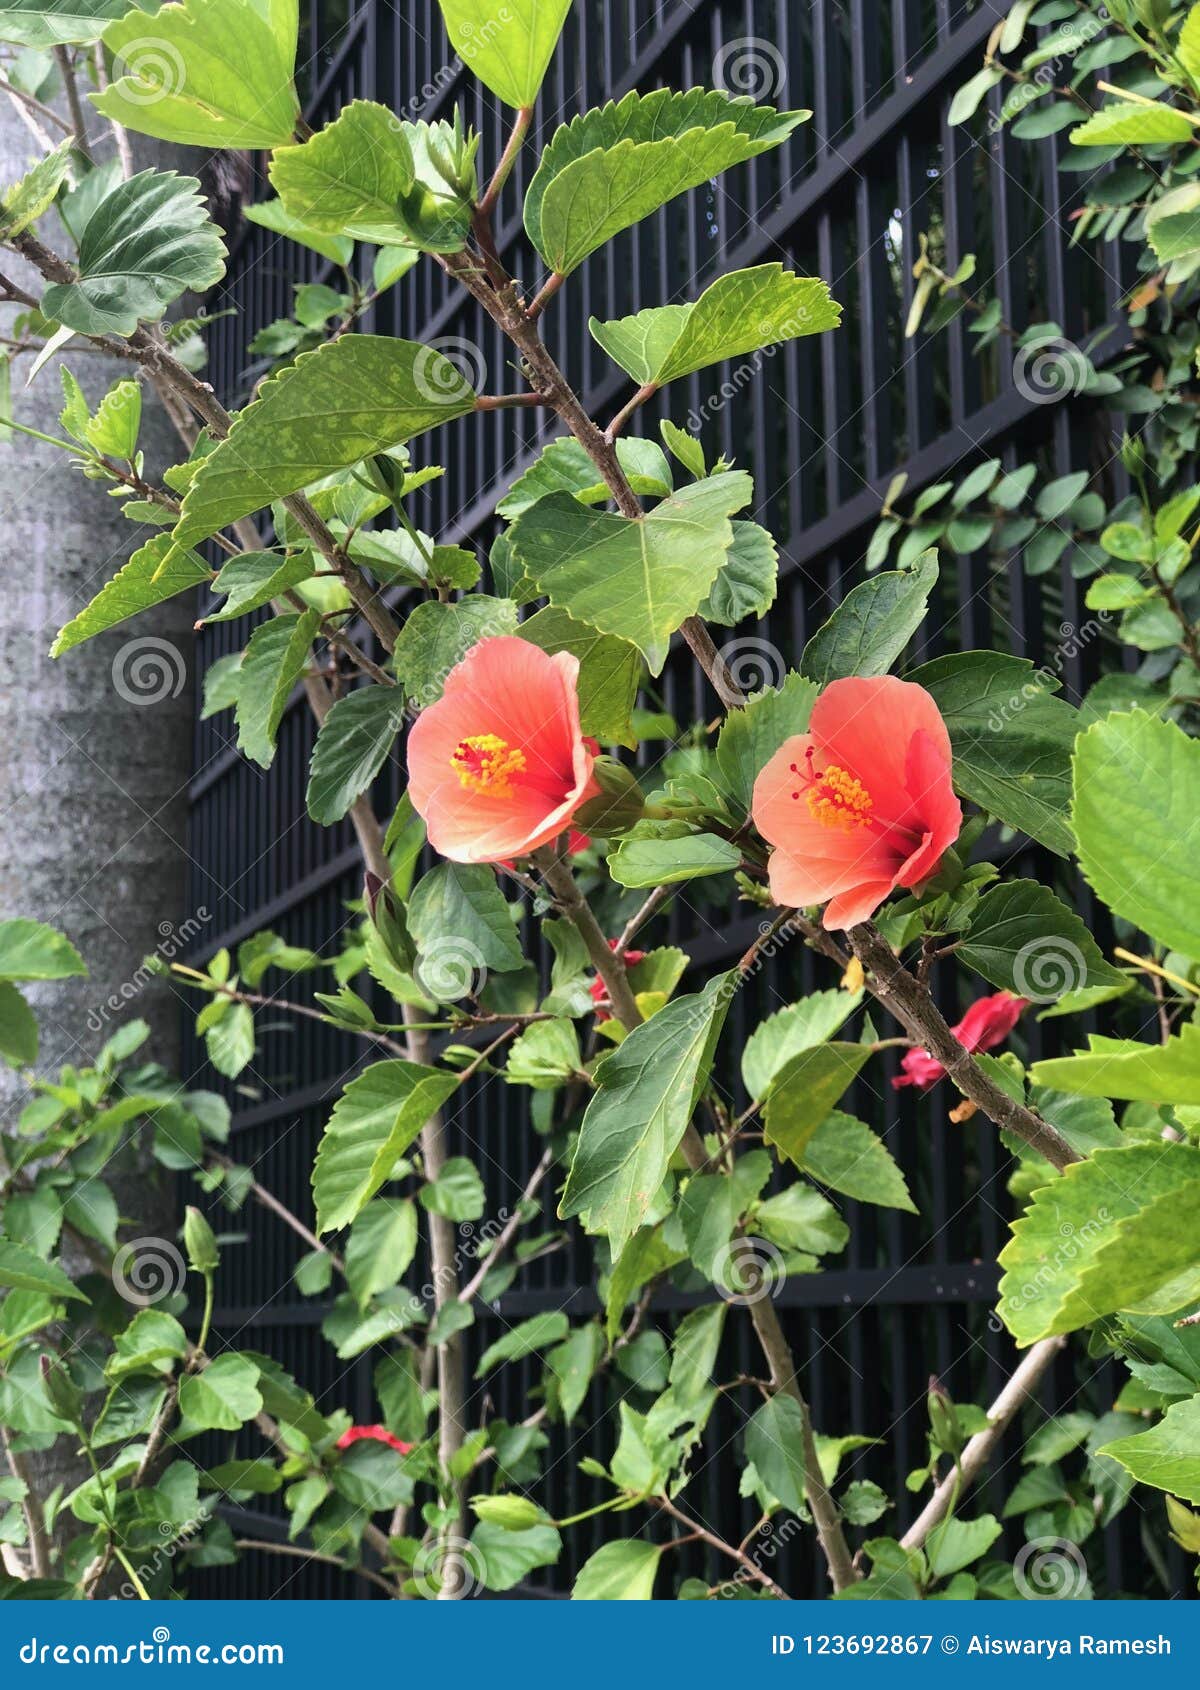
(822, 425)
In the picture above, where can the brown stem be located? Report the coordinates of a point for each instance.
(506, 1236)
(39, 1543)
(608, 963)
(66, 68)
(300, 1554)
(979, 1449)
(701, 1534)
(920, 1017)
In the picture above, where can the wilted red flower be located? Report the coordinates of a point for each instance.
(860, 804)
(986, 1024)
(599, 990)
(375, 1434)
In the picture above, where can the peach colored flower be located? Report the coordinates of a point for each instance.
(498, 766)
(986, 1024)
(860, 804)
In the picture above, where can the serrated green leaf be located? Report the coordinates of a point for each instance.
(113, 430)
(646, 1091)
(1130, 123)
(271, 665)
(804, 1092)
(611, 167)
(28, 199)
(751, 736)
(458, 910)
(253, 579)
(844, 1154)
(539, 1332)
(436, 637)
(1097, 1239)
(374, 1121)
(18, 1027)
(207, 73)
(156, 572)
(273, 215)
(635, 579)
(510, 55)
(350, 177)
(1123, 1068)
(775, 1445)
(649, 862)
(742, 312)
(382, 1243)
(1024, 939)
(1137, 819)
(352, 746)
(51, 23)
(347, 400)
(29, 950)
(572, 1363)
(222, 1397)
(872, 625)
(623, 1570)
(1166, 1456)
(147, 242)
(798, 1027)
(22, 1270)
(565, 467)
(748, 578)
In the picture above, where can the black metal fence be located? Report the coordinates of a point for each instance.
(823, 425)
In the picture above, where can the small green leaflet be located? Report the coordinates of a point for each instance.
(775, 1445)
(348, 400)
(537, 1333)
(114, 428)
(29, 950)
(637, 579)
(803, 1094)
(1137, 819)
(210, 73)
(1166, 1456)
(34, 194)
(223, 1396)
(647, 1090)
(374, 1121)
(271, 665)
(747, 580)
(622, 1570)
(649, 862)
(22, 1270)
(156, 572)
(799, 1026)
(147, 242)
(847, 1156)
(510, 57)
(872, 625)
(611, 167)
(352, 744)
(436, 637)
(740, 313)
(253, 579)
(564, 467)
(1129, 123)
(351, 177)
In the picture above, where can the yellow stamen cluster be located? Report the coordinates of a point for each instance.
(487, 763)
(840, 799)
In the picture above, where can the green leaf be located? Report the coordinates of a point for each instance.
(872, 625)
(610, 671)
(150, 1343)
(775, 1446)
(457, 1192)
(29, 950)
(804, 1092)
(156, 572)
(374, 1121)
(114, 428)
(1011, 739)
(844, 1154)
(22, 1270)
(957, 1543)
(436, 637)
(545, 1055)
(783, 1035)
(748, 578)
(1168, 1455)
(971, 95)
(509, 52)
(799, 1218)
(352, 746)
(1024, 939)
(1123, 1068)
(504, 1557)
(273, 215)
(538, 1333)
(742, 312)
(207, 73)
(348, 400)
(460, 905)
(649, 862)
(694, 1351)
(1137, 805)
(271, 665)
(565, 467)
(572, 1363)
(222, 1397)
(253, 579)
(383, 1241)
(621, 1571)
(1099, 1239)
(37, 190)
(646, 1091)
(18, 1027)
(1130, 123)
(230, 1042)
(751, 736)
(351, 177)
(637, 579)
(611, 167)
(50, 23)
(147, 242)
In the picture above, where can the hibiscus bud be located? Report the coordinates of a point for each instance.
(944, 1424)
(200, 1243)
(617, 806)
(387, 918)
(62, 1393)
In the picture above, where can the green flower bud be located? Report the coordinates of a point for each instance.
(200, 1243)
(617, 806)
(62, 1393)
